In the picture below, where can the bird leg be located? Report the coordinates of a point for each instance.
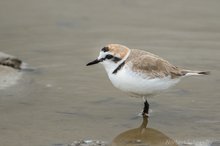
(146, 108)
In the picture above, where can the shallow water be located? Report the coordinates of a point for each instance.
(63, 100)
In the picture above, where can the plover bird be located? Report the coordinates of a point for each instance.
(138, 72)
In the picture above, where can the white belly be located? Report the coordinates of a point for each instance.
(135, 83)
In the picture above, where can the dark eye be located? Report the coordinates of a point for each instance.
(108, 56)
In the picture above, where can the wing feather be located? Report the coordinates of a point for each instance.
(152, 65)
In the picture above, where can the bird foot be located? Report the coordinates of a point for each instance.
(146, 108)
(145, 112)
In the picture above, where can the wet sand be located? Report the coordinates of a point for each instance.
(63, 100)
(8, 77)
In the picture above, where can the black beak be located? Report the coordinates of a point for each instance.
(93, 62)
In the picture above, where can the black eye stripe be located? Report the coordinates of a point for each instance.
(116, 59)
(109, 56)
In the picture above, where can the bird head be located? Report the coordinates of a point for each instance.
(111, 56)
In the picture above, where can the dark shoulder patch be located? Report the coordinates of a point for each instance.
(119, 67)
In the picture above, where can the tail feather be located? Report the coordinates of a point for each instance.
(204, 72)
(191, 72)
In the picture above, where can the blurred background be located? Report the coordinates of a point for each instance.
(63, 100)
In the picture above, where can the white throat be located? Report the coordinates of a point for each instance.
(110, 66)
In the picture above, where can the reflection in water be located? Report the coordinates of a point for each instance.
(143, 136)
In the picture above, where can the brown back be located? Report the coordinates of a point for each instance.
(152, 65)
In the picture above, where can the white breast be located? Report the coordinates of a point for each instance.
(137, 83)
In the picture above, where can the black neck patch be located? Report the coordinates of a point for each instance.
(119, 67)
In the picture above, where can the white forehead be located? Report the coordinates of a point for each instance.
(102, 54)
